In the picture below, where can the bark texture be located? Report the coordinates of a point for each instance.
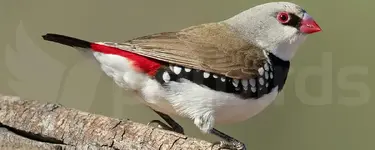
(29, 124)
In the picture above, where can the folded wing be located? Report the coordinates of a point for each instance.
(212, 47)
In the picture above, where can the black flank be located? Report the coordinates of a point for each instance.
(274, 75)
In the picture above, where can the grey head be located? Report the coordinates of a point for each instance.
(278, 27)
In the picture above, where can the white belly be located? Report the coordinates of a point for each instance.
(183, 98)
(240, 110)
(194, 100)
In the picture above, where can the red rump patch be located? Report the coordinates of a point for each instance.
(142, 63)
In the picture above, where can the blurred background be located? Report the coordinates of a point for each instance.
(327, 102)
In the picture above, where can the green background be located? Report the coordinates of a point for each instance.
(326, 103)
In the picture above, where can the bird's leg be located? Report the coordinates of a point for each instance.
(173, 125)
(229, 142)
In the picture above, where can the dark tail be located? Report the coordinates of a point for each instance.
(70, 41)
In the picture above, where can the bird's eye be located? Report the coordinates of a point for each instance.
(283, 17)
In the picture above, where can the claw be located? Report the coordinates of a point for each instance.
(165, 126)
(229, 142)
(216, 143)
(172, 125)
(234, 145)
(160, 124)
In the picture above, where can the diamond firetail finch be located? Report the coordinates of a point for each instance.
(212, 73)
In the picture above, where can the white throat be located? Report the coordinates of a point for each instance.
(287, 49)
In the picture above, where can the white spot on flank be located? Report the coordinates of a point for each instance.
(223, 79)
(261, 81)
(187, 69)
(261, 71)
(171, 67)
(253, 89)
(206, 74)
(266, 75)
(177, 69)
(215, 76)
(166, 77)
(244, 83)
(266, 67)
(266, 84)
(271, 75)
(252, 82)
(235, 82)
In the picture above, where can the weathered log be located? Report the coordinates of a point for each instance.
(29, 124)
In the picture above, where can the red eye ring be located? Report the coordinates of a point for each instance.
(283, 17)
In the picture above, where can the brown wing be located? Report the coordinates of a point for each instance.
(210, 47)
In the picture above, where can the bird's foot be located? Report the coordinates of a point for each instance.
(164, 126)
(172, 125)
(233, 145)
(228, 143)
(159, 124)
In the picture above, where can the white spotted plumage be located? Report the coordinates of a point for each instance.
(170, 67)
(206, 75)
(244, 83)
(187, 69)
(177, 70)
(166, 77)
(261, 81)
(261, 71)
(266, 67)
(222, 79)
(252, 82)
(253, 89)
(235, 82)
(266, 75)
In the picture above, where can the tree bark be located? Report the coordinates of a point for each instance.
(28, 124)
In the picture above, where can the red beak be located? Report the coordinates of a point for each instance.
(308, 25)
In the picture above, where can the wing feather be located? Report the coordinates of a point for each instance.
(212, 47)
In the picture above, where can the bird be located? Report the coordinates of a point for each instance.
(212, 73)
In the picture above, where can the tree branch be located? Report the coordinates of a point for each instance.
(28, 124)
